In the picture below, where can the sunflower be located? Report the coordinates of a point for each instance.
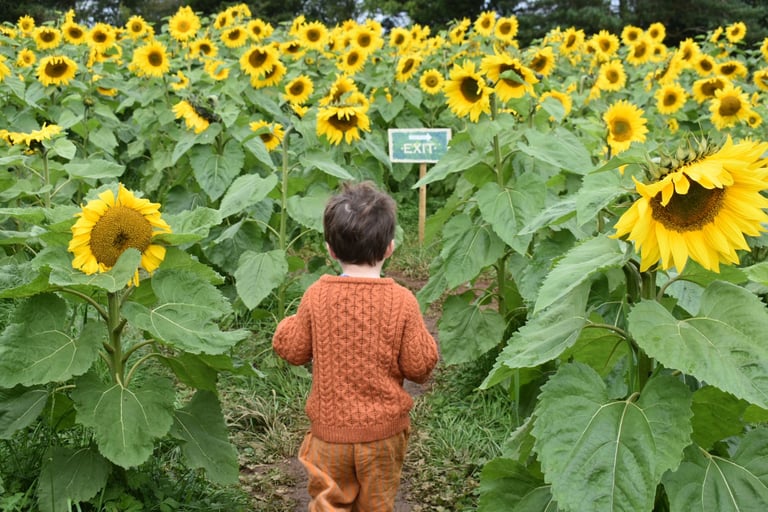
(293, 49)
(339, 90)
(431, 81)
(688, 50)
(611, 76)
(47, 38)
(223, 20)
(29, 138)
(56, 70)
(543, 61)
(732, 69)
(704, 89)
(366, 38)
(192, 118)
(271, 78)
(467, 92)
(74, 33)
(352, 61)
(754, 119)
(109, 225)
(400, 38)
(26, 24)
(299, 110)
(101, 36)
(203, 47)
(506, 28)
(760, 79)
(271, 134)
(8, 32)
(573, 40)
(704, 64)
(606, 43)
(670, 98)
(736, 32)
(407, 66)
(313, 36)
(641, 51)
(26, 58)
(630, 34)
(184, 24)
(216, 69)
(626, 125)
(234, 37)
(150, 60)
(344, 121)
(259, 29)
(764, 49)
(729, 106)
(136, 27)
(181, 83)
(296, 24)
(458, 33)
(299, 90)
(564, 99)
(256, 61)
(517, 81)
(657, 32)
(485, 23)
(701, 209)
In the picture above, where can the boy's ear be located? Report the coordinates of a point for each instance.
(330, 251)
(390, 249)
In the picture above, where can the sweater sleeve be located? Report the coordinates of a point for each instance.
(418, 350)
(293, 337)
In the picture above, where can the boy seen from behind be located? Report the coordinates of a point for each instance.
(364, 335)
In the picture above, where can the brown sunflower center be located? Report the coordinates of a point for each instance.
(343, 123)
(364, 40)
(47, 36)
(313, 35)
(118, 229)
(431, 81)
(205, 49)
(470, 89)
(408, 66)
(297, 89)
(729, 106)
(621, 129)
(100, 37)
(705, 65)
(136, 27)
(75, 32)
(352, 58)
(56, 69)
(234, 35)
(691, 211)
(184, 26)
(640, 50)
(257, 58)
(267, 137)
(538, 63)
(612, 76)
(504, 28)
(155, 58)
(670, 99)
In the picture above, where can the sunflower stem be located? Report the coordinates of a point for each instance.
(136, 347)
(46, 180)
(282, 239)
(114, 329)
(644, 362)
(137, 364)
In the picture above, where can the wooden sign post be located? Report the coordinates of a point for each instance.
(422, 146)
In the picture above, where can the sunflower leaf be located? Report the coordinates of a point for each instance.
(246, 191)
(113, 280)
(603, 454)
(709, 483)
(258, 274)
(598, 190)
(718, 345)
(93, 168)
(19, 407)
(468, 249)
(560, 148)
(126, 422)
(505, 484)
(22, 280)
(70, 475)
(324, 161)
(214, 171)
(582, 263)
(506, 210)
(467, 331)
(38, 345)
(186, 313)
(201, 428)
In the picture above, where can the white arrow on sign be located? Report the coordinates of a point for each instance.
(420, 136)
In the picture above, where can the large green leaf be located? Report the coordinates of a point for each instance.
(201, 428)
(560, 148)
(721, 345)
(581, 264)
(507, 485)
(505, 210)
(191, 225)
(22, 280)
(186, 313)
(547, 335)
(246, 191)
(126, 422)
(597, 191)
(453, 161)
(19, 407)
(710, 483)
(324, 161)
(93, 168)
(609, 455)
(468, 249)
(115, 279)
(716, 415)
(38, 345)
(215, 172)
(466, 330)
(68, 474)
(258, 274)
(308, 209)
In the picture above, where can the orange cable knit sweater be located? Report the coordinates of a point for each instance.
(363, 336)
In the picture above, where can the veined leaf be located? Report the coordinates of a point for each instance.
(94, 168)
(609, 455)
(468, 248)
(113, 280)
(201, 428)
(506, 211)
(716, 415)
(258, 274)
(451, 162)
(507, 485)
(246, 191)
(126, 422)
(68, 474)
(190, 225)
(19, 407)
(467, 331)
(185, 314)
(308, 210)
(38, 345)
(709, 483)
(560, 148)
(215, 172)
(580, 265)
(324, 161)
(597, 191)
(720, 345)
(22, 280)
(552, 215)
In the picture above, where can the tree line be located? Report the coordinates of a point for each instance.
(682, 18)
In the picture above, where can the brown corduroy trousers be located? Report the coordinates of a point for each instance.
(354, 477)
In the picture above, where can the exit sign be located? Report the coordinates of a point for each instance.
(418, 145)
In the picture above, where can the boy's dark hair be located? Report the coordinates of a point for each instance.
(359, 223)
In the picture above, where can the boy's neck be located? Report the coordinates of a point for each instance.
(354, 270)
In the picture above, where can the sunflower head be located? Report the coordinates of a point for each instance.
(111, 224)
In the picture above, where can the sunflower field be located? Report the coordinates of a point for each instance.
(163, 185)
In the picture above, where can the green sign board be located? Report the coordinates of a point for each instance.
(418, 145)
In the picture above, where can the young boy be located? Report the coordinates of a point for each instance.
(364, 334)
